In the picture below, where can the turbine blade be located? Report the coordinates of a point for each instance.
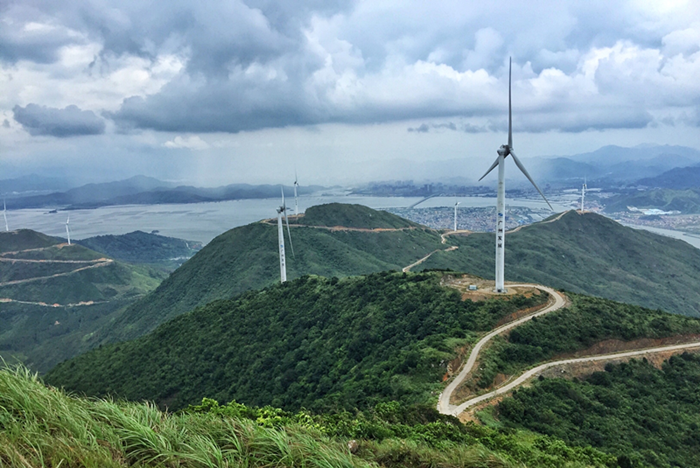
(524, 171)
(495, 163)
(289, 233)
(282, 191)
(510, 107)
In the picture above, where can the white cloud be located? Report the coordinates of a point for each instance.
(191, 142)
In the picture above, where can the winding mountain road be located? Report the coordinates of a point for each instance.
(558, 301)
(445, 407)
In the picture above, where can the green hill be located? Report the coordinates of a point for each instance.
(23, 239)
(247, 258)
(54, 296)
(314, 342)
(142, 247)
(592, 255)
(352, 216)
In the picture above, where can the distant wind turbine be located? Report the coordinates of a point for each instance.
(68, 230)
(503, 152)
(296, 199)
(456, 203)
(280, 238)
(583, 193)
(4, 215)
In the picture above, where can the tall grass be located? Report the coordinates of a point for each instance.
(41, 426)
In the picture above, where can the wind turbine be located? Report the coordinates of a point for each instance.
(583, 193)
(296, 199)
(280, 238)
(4, 214)
(68, 230)
(456, 203)
(503, 152)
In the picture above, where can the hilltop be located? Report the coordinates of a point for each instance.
(589, 254)
(54, 296)
(247, 258)
(352, 216)
(142, 247)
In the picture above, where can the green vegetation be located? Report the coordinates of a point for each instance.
(140, 247)
(586, 322)
(246, 258)
(42, 426)
(52, 310)
(589, 254)
(314, 342)
(23, 239)
(686, 201)
(352, 216)
(644, 415)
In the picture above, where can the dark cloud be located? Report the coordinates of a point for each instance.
(422, 128)
(71, 121)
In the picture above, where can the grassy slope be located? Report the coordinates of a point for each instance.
(246, 258)
(354, 216)
(141, 247)
(42, 336)
(593, 255)
(24, 239)
(649, 415)
(312, 343)
(44, 427)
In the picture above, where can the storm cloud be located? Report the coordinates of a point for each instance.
(71, 121)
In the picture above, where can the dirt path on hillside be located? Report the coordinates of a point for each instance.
(445, 407)
(68, 273)
(408, 268)
(557, 301)
(45, 304)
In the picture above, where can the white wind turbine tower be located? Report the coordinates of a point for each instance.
(68, 230)
(296, 199)
(583, 193)
(280, 237)
(456, 203)
(503, 152)
(4, 215)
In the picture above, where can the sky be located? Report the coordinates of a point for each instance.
(217, 92)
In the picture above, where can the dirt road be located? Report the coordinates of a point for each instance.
(557, 302)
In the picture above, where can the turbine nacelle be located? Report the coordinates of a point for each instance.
(504, 150)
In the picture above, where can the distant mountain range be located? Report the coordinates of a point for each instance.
(678, 178)
(615, 164)
(147, 190)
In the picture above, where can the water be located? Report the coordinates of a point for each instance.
(691, 239)
(204, 221)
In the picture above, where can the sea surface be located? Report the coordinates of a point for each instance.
(203, 221)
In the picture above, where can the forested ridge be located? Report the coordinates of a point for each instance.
(314, 342)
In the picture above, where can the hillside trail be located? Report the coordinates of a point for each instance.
(445, 407)
(421, 260)
(557, 218)
(272, 221)
(68, 273)
(557, 301)
(38, 249)
(45, 304)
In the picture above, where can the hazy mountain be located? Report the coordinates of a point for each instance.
(91, 193)
(677, 178)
